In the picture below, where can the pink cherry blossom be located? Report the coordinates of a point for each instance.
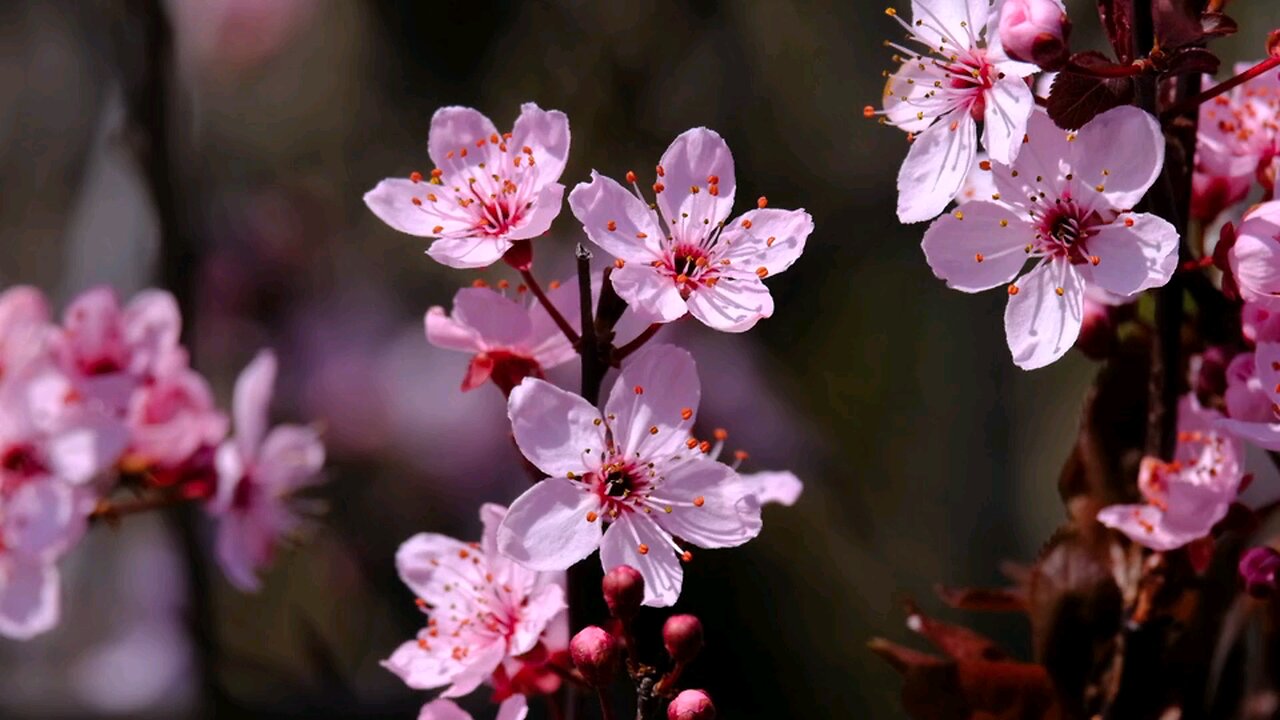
(482, 609)
(111, 350)
(1237, 144)
(40, 519)
(958, 76)
(173, 416)
(1253, 398)
(48, 428)
(1254, 258)
(513, 708)
(258, 471)
(487, 190)
(510, 339)
(24, 327)
(1259, 324)
(1186, 497)
(1064, 205)
(633, 467)
(685, 256)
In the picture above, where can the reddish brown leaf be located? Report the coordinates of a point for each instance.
(983, 599)
(1075, 99)
(958, 642)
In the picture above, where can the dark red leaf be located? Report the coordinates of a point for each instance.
(1118, 22)
(958, 642)
(1075, 99)
(1190, 60)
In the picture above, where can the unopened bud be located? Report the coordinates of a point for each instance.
(1258, 568)
(1035, 31)
(595, 654)
(682, 636)
(691, 705)
(623, 589)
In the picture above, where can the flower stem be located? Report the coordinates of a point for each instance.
(551, 309)
(592, 368)
(644, 337)
(1225, 86)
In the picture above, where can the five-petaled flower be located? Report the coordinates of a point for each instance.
(941, 92)
(633, 467)
(487, 191)
(1237, 145)
(482, 609)
(1188, 496)
(258, 471)
(684, 255)
(1065, 204)
(1253, 396)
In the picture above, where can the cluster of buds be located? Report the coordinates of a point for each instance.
(597, 653)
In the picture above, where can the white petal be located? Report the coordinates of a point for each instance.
(781, 487)
(557, 431)
(663, 576)
(692, 160)
(546, 528)
(602, 204)
(649, 293)
(29, 599)
(709, 506)
(1133, 258)
(735, 304)
(1009, 106)
(1123, 150)
(978, 246)
(935, 167)
(1041, 325)
(655, 388)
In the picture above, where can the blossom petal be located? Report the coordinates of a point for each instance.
(767, 238)
(152, 324)
(1010, 103)
(479, 664)
(910, 103)
(693, 159)
(29, 600)
(649, 293)
(978, 246)
(1144, 524)
(419, 668)
(635, 540)
(468, 252)
(453, 128)
(243, 545)
(546, 528)
(936, 166)
(446, 332)
(546, 133)
(500, 321)
(1042, 164)
(513, 708)
(709, 506)
(603, 204)
(541, 608)
(954, 24)
(445, 710)
(291, 458)
(406, 206)
(419, 562)
(86, 446)
(1041, 325)
(1255, 256)
(546, 208)
(1122, 150)
(781, 487)
(42, 520)
(735, 304)
(556, 430)
(656, 388)
(250, 402)
(1264, 435)
(1133, 257)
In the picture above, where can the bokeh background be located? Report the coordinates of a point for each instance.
(929, 458)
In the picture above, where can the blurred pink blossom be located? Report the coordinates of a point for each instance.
(513, 708)
(1237, 144)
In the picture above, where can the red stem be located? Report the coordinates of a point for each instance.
(552, 310)
(1223, 87)
(634, 345)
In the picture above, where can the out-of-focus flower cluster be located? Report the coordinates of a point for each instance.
(102, 416)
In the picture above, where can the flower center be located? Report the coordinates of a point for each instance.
(690, 265)
(619, 484)
(1064, 230)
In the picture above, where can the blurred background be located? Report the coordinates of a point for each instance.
(929, 458)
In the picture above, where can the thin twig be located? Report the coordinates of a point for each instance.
(1192, 103)
(551, 309)
(592, 368)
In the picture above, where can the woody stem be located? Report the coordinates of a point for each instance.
(1225, 86)
(552, 310)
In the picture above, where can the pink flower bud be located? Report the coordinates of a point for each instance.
(1035, 31)
(682, 636)
(1258, 570)
(595, 654)
(623, 589)
(691, 705)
